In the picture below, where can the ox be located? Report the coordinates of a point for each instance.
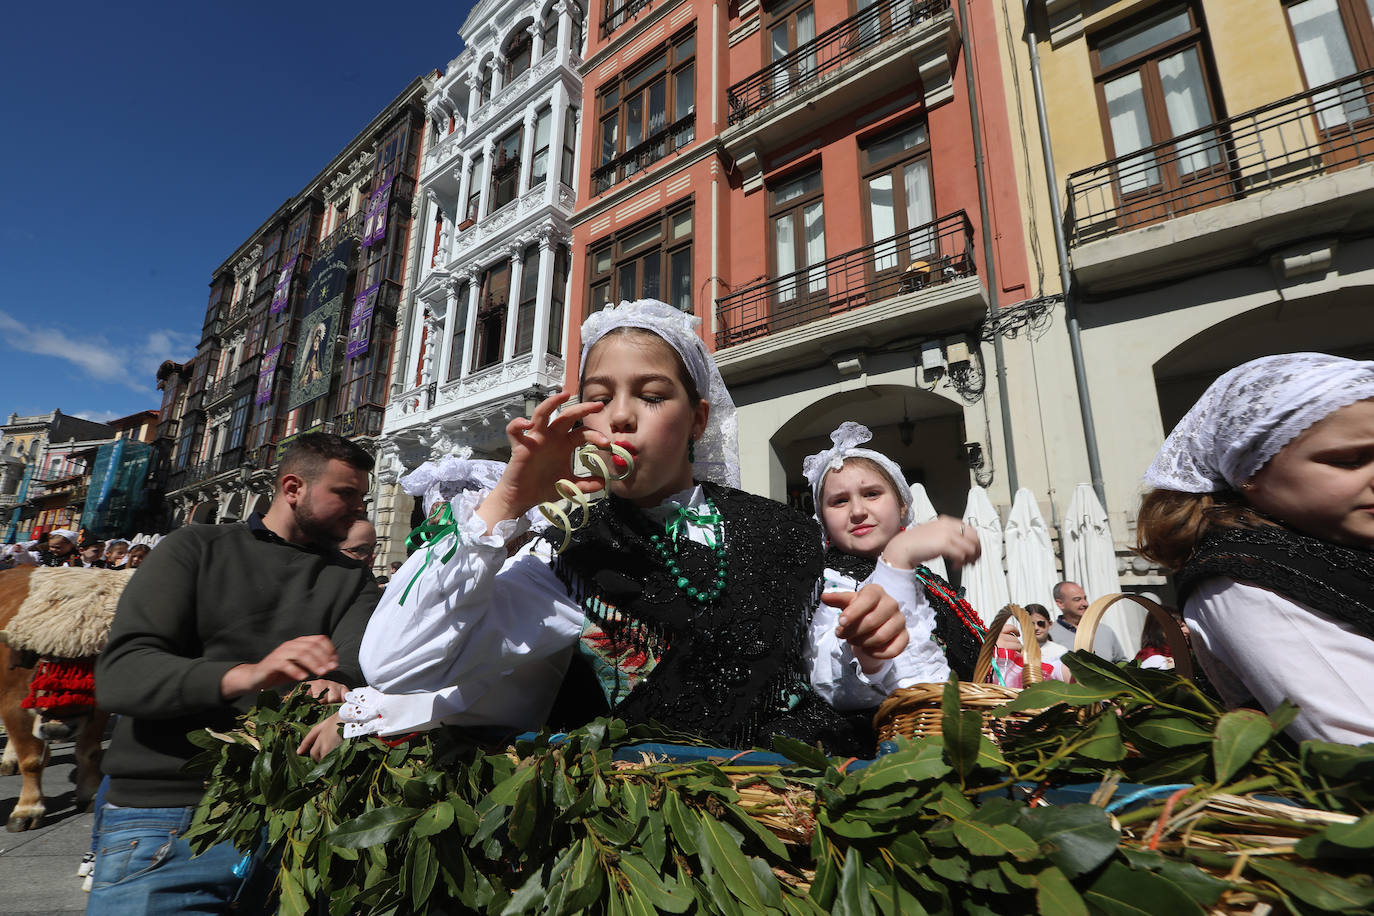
(55, 621)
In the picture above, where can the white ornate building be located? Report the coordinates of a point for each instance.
(483, 334)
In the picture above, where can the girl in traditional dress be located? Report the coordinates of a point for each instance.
(682, 600)
(1263, 505)
(868, 522)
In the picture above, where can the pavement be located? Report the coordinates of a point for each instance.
(38, 867)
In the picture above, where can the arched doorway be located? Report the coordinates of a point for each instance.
(921, 431)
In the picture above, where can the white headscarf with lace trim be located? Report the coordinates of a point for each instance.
(717, 451)
(847, 439)
(1252, 412)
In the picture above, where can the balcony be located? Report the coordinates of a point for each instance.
(847, 66)
(350, 227)
(249, 370)
(446, 151)
(9, 500)
(218, 391)
(614, 16)
(167, 429)
(923, 280)
(1231, 190)
(638, 158)
(364, 420)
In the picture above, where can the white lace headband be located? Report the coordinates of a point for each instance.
(847, 439)
(1252, 412)
(717, 451)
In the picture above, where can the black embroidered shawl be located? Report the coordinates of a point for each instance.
(1331, 578)
(734, 671)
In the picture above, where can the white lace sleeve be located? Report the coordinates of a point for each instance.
(472, 618)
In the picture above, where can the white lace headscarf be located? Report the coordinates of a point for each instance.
(847, 439)
(446, 477)
(1250, 413)
(717, 451)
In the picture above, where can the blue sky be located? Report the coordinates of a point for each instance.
(143, 143)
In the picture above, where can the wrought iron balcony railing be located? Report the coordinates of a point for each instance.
(827, 52)
(350, 227)
(1302, 136)
(919, 258)
(614, 16)
(638, 158)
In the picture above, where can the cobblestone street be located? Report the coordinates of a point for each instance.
(38, 867)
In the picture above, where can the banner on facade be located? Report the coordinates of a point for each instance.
(116, 492)
(360, 322)
(267, 375)
(374, 222)
(283, 292)
(315, 342)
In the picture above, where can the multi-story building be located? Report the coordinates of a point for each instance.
(484, 336)
(300, 325)
(41, 466)
(1216, 175)
(813, 180)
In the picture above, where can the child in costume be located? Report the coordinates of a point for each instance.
(1263, 506)
(686, 601)
(867, 520)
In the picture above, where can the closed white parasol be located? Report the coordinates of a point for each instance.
(924, 511)
(1030, 553)
(984, 583)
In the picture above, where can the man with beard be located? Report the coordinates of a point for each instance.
(216, 614)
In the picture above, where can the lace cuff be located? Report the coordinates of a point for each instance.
(472, 528)
(361, 712)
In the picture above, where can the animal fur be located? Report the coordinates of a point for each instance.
(68, 611)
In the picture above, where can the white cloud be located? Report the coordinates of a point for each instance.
(133, 366)
(98, 416)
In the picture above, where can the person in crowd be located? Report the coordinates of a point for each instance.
(361, 543)
(137, 553)
(1050, 650)
(116, 554)
(1154, 646)
(683, 599)
(867, 522)
(61, 548)
(1072, 601)
(1262, 503)
(92, 555)
(395, 567)
(1009, 662)
(195, 636)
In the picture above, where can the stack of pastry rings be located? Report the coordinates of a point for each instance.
(587, 458)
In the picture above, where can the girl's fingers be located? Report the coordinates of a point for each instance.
(576, 413)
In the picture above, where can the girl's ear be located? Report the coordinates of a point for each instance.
(699, 417)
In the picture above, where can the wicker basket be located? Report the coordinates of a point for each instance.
(915, 712)
(1173, 633)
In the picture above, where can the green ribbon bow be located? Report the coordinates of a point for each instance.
(437, 526)
(682, 516)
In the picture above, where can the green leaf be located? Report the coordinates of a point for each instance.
(508, 790)
(1120, 891)
(424, 870)
(1105, 741)
(682, 821)
(1172, 768)
(995, 840)
(1093, 670)
(1239, 734)
(293, 899)
(1359, 835)
(853, 898)
(903, 769)
(1048, 693)
(374, 828)
(585, 879)
(1325, 891)
(720, 853)
(1170, 731)
(664, 897)
(961, 730)
(1055, 896)
(1076, 838)
(1195, 882)
(804, 754)
(435, 820)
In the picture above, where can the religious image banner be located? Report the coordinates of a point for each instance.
(374, 224)
(283, 291)
(315, 342)
(360, 322)
(266, 375)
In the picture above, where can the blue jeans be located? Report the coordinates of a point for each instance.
(143, 866)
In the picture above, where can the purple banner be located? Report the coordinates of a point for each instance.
(374, 223)
(265, 375)
(283, 291)
(360, 322)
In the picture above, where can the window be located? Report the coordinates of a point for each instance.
(238, 422)
(900, 198)
(529, 301)
(1152, 85)
(391, 154)
(539, 162)
(297, 234)
(491, 316)
(548, 30)
(198, 374)
(484, 88)
(569, 147)
(1335, 38)
(652, 260)
(268, 266)
(253, 344)
(558, 299)
(505, 169)
(796, 221)
(518, 52)
(640, 111)
(790, 30)
(264, 425)
(475, 189)
(459, 321)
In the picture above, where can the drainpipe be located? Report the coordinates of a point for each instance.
(989, 255)
(1061, 248)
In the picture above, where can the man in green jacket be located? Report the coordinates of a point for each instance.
(216, 614)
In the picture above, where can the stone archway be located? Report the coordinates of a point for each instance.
(203, 513)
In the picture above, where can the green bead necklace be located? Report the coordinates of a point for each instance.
(711, 590)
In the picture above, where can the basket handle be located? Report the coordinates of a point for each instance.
(1030, 647)
(1173, 633)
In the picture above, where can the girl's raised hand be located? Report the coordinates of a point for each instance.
(942, 537)
(541, 452)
